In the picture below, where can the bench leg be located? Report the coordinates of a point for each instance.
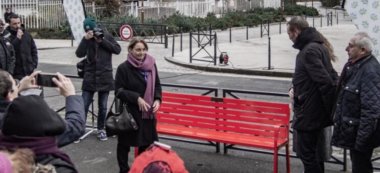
(275, 160)
(217, 147)
(225, 148)
(287, 158)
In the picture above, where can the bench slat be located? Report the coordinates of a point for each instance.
(205, 134)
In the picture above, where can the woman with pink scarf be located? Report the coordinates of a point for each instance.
(137, 84)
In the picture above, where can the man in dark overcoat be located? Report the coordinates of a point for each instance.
(314, 83)
(24, 46)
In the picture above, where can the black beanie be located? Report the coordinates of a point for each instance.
(30, 116)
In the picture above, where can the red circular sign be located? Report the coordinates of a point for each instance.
(126, 32)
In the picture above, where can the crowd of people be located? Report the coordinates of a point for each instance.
(348, 104)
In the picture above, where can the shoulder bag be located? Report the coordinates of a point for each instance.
(80, 67)
(117, 123)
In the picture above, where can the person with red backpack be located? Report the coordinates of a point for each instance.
(158, 158)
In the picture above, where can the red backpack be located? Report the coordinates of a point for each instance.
(158, 158)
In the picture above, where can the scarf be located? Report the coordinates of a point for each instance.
(39, 145)
(148, 68)
(5, 164)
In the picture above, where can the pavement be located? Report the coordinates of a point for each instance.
(246, 56)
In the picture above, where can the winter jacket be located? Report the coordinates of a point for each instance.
(98, 70)
(74, 118)
(130, 84)
(357, 114)
(314, 83)
(75, 121)
(7, 53)
(26, 54)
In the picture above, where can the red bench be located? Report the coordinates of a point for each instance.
(249, 123)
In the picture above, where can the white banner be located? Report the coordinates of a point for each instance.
(366, 16)
(75, 14)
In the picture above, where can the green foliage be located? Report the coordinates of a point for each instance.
(300, 10)
(62, 32)
(179, 22)
(330, 3)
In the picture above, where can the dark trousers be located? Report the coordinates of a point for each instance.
(102, 105)
(122, 152)
(309, 152)
(361, 161)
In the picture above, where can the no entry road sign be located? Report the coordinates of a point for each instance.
(126, 32)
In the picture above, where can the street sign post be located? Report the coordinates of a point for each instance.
(126, 32)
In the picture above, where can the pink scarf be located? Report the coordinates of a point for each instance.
(147, 66)
(5, 164)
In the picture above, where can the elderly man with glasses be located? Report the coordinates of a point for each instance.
(7, 54)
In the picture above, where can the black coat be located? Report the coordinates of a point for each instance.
(130, 84)
(314, 82)
(26, 54)
(7, 53)
(98, 69)
(356, 120)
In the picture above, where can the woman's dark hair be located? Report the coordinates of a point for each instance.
(5, 84)
(329, 47)
(133, 43)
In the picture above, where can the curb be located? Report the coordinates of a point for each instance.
(271, 73)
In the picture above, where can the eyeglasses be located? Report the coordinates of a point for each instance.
(2, 24)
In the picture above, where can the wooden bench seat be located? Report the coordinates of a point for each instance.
(248, 123)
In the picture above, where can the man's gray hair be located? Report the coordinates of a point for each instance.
(363, 41)
(298, 22)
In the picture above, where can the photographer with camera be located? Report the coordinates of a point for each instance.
(24, 46)
(74, 116)
(97, 46)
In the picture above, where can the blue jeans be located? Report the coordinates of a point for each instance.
(102, 105)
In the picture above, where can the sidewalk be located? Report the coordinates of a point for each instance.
(245, 56)
(251, 56)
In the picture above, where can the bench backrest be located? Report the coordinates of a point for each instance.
(246, 117)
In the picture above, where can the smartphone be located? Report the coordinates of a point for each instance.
(46, 79)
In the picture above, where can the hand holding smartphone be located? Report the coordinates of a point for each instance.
(46, 79)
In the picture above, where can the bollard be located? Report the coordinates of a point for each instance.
(313, 21)
(261, 29)
(173, 45)
(180, 43)
(191, 46)
(199, 38)
(166, 37)
(215, 41)
(269, 54)
(268, 28)
(210, 29)
(230, 35)
(280, 27)
(247, 33)
(337, 18)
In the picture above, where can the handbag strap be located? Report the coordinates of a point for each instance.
(113, 102)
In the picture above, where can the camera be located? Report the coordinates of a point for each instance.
(98, 33)
(46, 79)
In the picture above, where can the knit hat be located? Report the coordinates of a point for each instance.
(89, 24)
(30, 116)
(5, 164)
